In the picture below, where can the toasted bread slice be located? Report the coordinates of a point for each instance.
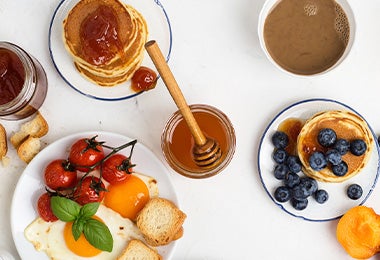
(37, 127)
(160, 221)
(29, 148)
(3, 142)
(138, 250)
(179, 234)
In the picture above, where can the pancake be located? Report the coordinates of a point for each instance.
(131, 34)
(347, 125)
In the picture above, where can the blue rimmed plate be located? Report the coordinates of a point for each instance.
(159, 30)
(338, 202)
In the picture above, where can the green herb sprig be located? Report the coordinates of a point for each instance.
(96, 232)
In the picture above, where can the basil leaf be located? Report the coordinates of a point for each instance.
(88, 210)
(98, 235)
(64, 208)
(77, 228)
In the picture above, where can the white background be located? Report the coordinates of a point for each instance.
(217, 60)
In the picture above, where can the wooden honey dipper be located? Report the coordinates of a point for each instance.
(206, 151)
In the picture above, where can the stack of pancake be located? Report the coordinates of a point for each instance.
(124, 51)
(347, 125)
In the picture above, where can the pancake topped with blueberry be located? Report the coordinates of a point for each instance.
(334, 146)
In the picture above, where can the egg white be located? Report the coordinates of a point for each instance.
(48, 236)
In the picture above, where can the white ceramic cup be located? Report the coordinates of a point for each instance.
(267, 8)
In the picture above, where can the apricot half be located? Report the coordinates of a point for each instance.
(358, 231)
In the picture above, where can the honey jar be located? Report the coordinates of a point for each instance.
(177, 142)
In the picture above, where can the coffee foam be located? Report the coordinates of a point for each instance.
(342, 25)
(310, 9)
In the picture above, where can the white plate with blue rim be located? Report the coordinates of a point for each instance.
(159, 30)
(338, 202)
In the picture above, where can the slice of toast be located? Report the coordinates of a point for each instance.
(138, 250)
(3, 142)
(160, 221)
(37, 127)
(29, 148)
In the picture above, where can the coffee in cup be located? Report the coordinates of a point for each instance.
(306, 37)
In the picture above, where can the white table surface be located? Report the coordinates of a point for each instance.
(217, 60)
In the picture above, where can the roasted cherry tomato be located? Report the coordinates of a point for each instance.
(44, 209)
(85, 153)
(144, 79)
(117, 168)
(91, 189)
(60, 174)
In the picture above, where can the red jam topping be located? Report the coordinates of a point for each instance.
(12, 76)
(143, 79)
(99, 36)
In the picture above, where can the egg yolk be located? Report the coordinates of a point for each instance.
(80, 247)
(127, 197)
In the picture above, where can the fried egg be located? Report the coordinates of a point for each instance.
(56, 240)
(130, 196)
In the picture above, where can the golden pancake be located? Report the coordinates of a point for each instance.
(82, 10)
(132, 55)
(347, 125)
(108, 81)
(130, 35)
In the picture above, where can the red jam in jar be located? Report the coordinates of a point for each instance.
(23, 83)
(12, 76)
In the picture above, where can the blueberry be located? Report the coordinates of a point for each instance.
(280, 171)
(299, 204)
(333, 157)
(305, 188)
(282, 194)
(291, 180)
(354, 191)
(299, 192)
(358, 147)
(280, 155)
(342, 146)
(280, 139)
(309, 184)
(294, 164)
(326, 137)
(340, 169)
(321, 196)
(317, 161)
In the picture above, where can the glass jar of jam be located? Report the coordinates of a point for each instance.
(23, 83)
(177, 141)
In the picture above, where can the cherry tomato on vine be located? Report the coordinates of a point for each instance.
(44, 209)
(117, 168)
(91, 189)
(86, 152)
(60, 174)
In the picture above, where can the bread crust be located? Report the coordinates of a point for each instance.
(29, 148)
(37, 127)
(136, 250)
(161, 222)
(3, 142)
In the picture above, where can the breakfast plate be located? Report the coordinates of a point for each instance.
(159, 30)
(338, 202)
(31, 185)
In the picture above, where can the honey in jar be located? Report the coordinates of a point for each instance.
(177, 141)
